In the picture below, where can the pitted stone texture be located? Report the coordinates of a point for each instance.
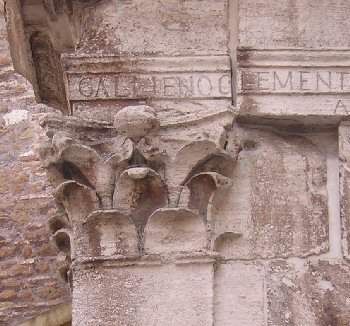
(169, 27)
(344, 155)
(279, 198)
(282, 293)
(293, 59)
(277, 206)
(136, 122)
(111, 233)
(314, 294)
(240, 294)
(144, 295)
(294, 24)
(175, 230)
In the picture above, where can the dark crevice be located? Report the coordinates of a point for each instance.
(72, 172)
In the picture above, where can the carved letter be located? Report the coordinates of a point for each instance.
(342, 106)
(224, 85)
(289, 80)
(204, 86)
(246, 82)
(327, 82)
(342, 79)
(101, 87)
(304, 81)
(261, 79)
(170, 86)
(125, 86)
(186, 87)
(85, 87)
(145, 86)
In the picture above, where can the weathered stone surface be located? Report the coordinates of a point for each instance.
(279, 202)
(344, 154)
(195, 164)
(280, 292)
(308, 294)
(273, 24)
(147, 294)
(166, 27)
(29, 284)
(278, 62)
(313, 86)
(240, 293)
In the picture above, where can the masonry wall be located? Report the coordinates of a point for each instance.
(284, 261)
(29, 282)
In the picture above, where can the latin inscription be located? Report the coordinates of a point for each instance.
(294, 81)
(318, 90)
(158, 86)
(342, 107)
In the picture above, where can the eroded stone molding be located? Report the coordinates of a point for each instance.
(128, 189)
(47, 70)
(38, 40)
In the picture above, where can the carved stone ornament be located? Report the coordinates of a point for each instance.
(135, 187)
(194, 157)
(143, 155)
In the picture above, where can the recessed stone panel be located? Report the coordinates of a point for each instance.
(281, 197)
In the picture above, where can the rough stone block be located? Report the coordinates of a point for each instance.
(314, 294)
(148, 295)
(282, 199)
(294, 24)
(239, 294)
(168, 27)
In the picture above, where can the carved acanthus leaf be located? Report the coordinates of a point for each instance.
(122, 177)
